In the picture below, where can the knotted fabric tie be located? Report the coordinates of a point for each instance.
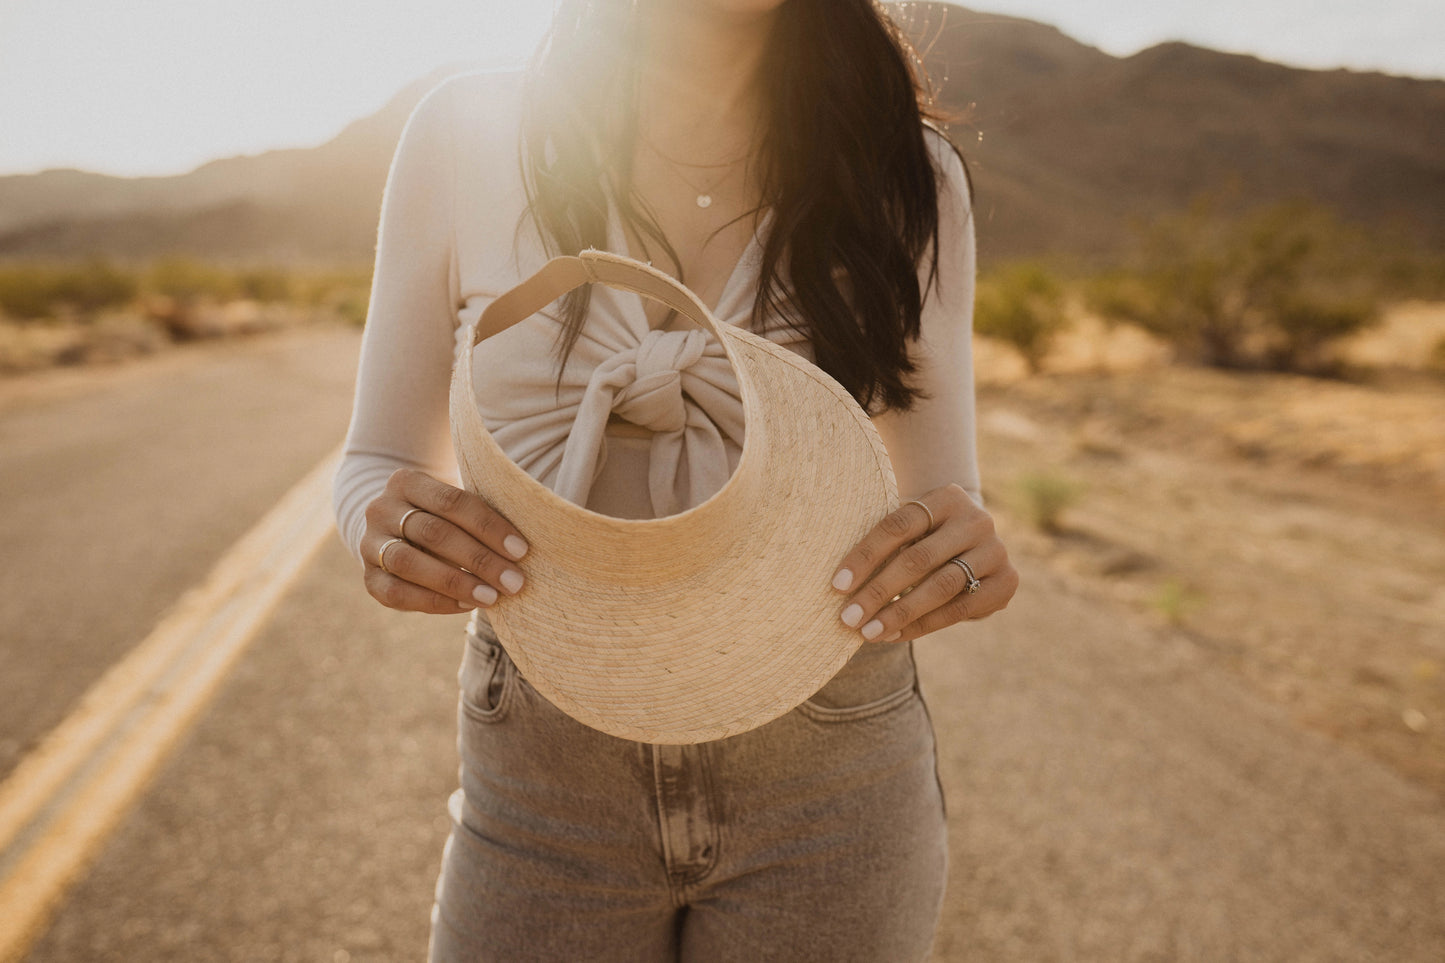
(676, 383)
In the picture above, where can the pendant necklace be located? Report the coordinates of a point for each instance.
(704, 193)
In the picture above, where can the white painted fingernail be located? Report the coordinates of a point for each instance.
(465, 606)
(872, 629)
(515, 546)
(512, 581)
(852, 615)
(894, 636)
(484, 594)
(843, 580)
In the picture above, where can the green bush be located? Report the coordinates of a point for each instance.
(1174, 601)
(1045, 496)
(265, 284)
(1275, 288)
(39, 291)
(186, 279)
(1022, 305)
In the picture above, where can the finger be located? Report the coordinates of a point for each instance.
(924, 572)
(993, 596)
(463, 509)
(443, 540)
(899, 527)
(397, 593)
(410, 564)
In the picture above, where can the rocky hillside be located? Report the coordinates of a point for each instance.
(1070, 147)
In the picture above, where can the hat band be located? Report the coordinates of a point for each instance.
(562, 274)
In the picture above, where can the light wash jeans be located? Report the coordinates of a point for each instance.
(819, 836)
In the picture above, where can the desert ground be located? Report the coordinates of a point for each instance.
(1290, 528)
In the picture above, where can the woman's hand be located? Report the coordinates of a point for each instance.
(430, 547)
(912, 551)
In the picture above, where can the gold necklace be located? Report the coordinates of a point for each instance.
(704, 194)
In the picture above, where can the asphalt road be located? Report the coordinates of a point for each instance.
(121, 487)
(1111, 797)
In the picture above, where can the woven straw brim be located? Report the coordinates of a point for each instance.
(714, 621)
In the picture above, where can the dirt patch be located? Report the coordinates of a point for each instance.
(1291, 528)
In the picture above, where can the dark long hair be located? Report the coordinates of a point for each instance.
(844, 164)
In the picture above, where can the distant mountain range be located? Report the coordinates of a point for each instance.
(1069, 147)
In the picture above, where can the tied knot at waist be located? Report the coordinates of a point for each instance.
(645, 383)
(678, 384)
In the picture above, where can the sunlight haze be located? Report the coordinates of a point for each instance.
(162, 86)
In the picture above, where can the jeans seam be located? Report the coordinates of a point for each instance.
(830, 714)
(933, 732)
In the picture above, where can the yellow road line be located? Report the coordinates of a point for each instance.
(66, 796)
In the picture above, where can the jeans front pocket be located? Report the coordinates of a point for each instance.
(878, 679)
(486, 678)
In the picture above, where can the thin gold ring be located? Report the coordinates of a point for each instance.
(401, 526)
(927, 511)
(381, 553)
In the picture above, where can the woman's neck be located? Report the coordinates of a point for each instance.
(700, 95)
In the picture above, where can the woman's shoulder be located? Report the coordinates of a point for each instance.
(950, 165)
(479, 91)
(475, 97)
(474, 116)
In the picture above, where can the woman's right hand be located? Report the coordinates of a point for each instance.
(456, 552)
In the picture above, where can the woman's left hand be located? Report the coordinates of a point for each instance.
(913, 550)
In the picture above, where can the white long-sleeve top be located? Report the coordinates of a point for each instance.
(450, 243)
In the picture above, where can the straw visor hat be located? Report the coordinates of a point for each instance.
(707, 623)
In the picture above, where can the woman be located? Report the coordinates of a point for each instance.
(772, 155)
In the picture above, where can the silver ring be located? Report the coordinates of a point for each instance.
(973, 580)
(401, 526)
(381, 553)
(931, 522)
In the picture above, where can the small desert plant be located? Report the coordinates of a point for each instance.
(1044, 496)
(1174, 601)
(1024, 306)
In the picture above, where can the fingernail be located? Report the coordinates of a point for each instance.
(484, 594)
(843, 580)
(872, 629)
(465, 606)
(512, 581)
(852, 615)
(515, 546)
(894, 636)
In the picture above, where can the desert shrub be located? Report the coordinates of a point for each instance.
(1044, 496)
(1174, 601)
(1276, 287)
(265, 284)
(38, 291)
(24, 293)
(1022, 305)
(186, 279)
(1305, 328)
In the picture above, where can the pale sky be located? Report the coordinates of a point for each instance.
(160, 86)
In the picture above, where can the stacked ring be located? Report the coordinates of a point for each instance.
(931, 523)
(381, 553)
(974, 583)
(401, 526)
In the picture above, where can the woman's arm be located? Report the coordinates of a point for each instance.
(933, 448)
(398, 454)
(935, 443)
